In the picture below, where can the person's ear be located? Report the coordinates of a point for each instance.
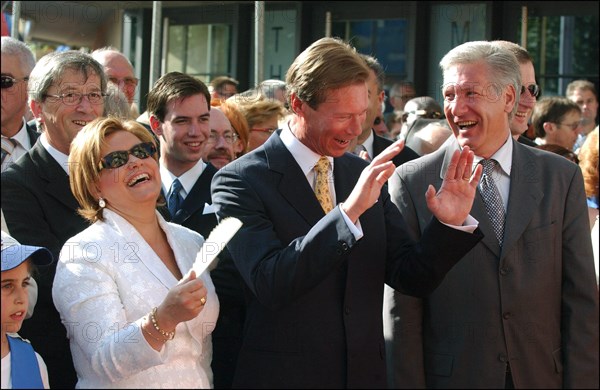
(36, 110)
(549, 127)
(510, 98)
(155, 125)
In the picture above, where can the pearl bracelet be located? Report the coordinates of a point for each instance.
(167, 335)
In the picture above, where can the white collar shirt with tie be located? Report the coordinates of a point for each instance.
(502, 177)
(368, 145)
(307, 159)
(22, 145)
(187, 179)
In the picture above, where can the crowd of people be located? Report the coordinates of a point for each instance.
(458, 251)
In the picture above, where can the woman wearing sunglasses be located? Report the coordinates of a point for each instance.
(134, 314)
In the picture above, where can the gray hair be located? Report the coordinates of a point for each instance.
(51, 68)
(116, 104)
(14, 47)
(502, 64)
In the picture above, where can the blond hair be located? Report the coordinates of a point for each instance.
(85, 154)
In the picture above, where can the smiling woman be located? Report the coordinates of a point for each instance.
(139, 290)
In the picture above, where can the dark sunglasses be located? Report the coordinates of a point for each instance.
(534, 90)
(8, 82)
(119, 158)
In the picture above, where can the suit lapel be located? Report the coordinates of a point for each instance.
(49, 170)
(293, 185)
(525, 194)
(198, 196)
(32, 133)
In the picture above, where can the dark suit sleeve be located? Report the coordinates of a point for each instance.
(24, 214)
(275, 269)
(418, 268)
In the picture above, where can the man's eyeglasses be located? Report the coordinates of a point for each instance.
(8, 82)
(572, 126)
(534, 90)
(269, 130)
(73, 98)
(119, 158)
(229, 138)
(128, 81)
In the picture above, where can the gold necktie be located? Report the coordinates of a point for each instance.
(322, 184)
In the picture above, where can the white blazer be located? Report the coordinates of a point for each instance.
(107, 279)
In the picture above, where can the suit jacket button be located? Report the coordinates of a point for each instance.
(347, 310)
(506, 315)
(503, 270)
(502, 358)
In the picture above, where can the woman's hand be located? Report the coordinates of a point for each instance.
(183, 302)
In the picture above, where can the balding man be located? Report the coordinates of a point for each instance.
(119, 72)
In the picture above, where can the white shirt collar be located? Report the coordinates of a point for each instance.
(368, 144)
(61, 158)
(23, 137)
(187, 179)
(306, 158)
(502, 155)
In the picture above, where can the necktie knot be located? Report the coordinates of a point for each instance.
(489, 166)
(322, 190)
(175, 199)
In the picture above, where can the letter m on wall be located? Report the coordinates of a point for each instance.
(462, 38)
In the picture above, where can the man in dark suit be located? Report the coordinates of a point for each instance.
(180, 115)
(372, 143)
(65, 92)
(17, 137)
(521, 309)
(314, 271)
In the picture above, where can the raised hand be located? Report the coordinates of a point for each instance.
(452, 203)
(183, 302)
(373, 177)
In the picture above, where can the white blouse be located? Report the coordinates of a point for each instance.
(107, 279)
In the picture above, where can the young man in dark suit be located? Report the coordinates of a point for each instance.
(179, 112)
(66, 92)
(314, 264)
(521, 309)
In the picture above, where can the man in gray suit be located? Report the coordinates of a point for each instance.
(521, 308)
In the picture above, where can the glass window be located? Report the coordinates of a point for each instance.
(201, 50)
(386, 40)
(564, 48)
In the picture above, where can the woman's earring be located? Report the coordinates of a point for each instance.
(101, 203)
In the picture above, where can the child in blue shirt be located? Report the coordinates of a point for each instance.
(22, 367)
